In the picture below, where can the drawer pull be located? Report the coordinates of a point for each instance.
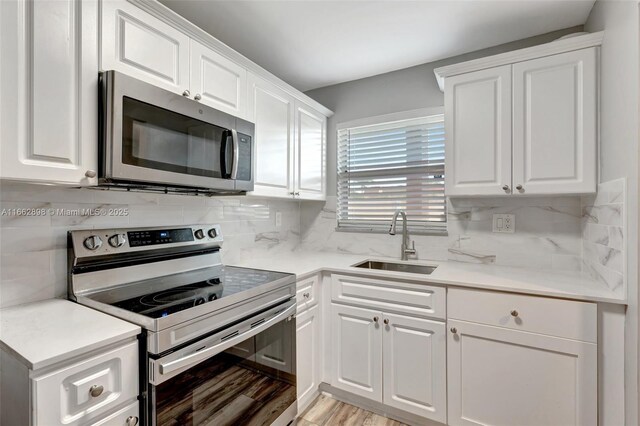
(375, 319)
(131, 421)
(514, 313)
(306, 295)
(454, 330)
(96, 390)
(386, 321)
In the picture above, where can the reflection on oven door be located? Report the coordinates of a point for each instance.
(252, 383)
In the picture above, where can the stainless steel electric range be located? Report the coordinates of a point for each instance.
(218, 345)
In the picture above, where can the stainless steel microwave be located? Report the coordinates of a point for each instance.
(151, 138)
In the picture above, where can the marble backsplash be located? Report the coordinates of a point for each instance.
(33, 249)
(603, 235)
(548, 233)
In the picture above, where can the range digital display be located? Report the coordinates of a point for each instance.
(165, 236)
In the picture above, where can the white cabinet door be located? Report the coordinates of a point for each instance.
(217, 81)
(415, 366)
(357, 351)
(498, 376)
(307, 355)
(554, 124)
(310, 152)
(478, 132)
(144, 47)
(272, 111)
(49, 101)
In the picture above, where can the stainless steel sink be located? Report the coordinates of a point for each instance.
(396, 267)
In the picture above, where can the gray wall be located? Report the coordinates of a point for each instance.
(619, 150)
(402, 90)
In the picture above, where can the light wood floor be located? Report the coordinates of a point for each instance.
(326, 411)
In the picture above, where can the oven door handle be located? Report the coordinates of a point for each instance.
(195, 358)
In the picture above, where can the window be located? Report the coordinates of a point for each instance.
(396, 165)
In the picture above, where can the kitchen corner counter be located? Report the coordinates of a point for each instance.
(561, 284)
(44, 333)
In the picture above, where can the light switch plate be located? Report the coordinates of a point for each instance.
(505, 223)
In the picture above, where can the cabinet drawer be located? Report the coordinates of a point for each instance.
(307, 292)
(64, 396)
(121, 417)
(553, 317)
(416, 299)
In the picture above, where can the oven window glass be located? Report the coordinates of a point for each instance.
(159, 139)
(252, 383)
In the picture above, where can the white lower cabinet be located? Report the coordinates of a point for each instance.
(502, 369)
(307, 355)
(393, 359)
(414, 366)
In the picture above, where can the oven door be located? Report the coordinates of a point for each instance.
(153, 136)
(242, 375)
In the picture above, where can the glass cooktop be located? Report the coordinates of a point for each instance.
(161, 298)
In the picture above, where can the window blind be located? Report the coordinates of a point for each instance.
(392, 166)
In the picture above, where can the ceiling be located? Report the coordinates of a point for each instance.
(313, 43)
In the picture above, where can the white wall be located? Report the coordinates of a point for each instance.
(33, 260)
(619, 150)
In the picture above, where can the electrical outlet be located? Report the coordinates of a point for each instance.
(505, 223)
(278, 219)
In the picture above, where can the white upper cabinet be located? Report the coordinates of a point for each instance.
(478, 129)
(144, 47)
(554, 125)
(291, 143)
(216, 81)
(272, 111)
(310, 152)
(523, 122)
(49, 86)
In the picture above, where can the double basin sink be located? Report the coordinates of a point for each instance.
(396, 267)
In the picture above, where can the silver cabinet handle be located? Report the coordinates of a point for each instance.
(96, 390)
(197, 97)
(505, 188)
(375, 319)
(131, 421)
(186, 93)
(306, 295)
(454, 330)
(519, 187)
(386, 321)
(90, 173)
(514, 313)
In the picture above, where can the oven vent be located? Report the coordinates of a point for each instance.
(229, 336)
(257, 323)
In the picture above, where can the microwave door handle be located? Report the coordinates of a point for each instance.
(195, 358)
(223, 154)
(234, 166)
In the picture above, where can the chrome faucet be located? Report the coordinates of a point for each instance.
(405, 251)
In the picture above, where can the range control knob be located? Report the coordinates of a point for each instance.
(93, 242)
(213, 233)
(199, 234)
(117, 240)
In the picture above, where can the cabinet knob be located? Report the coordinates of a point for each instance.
(96, 390)
(296, 193)
(454, 330)
(375, 319)
(514, 313)
(386, 321)
(505, 188)
(90, 173)
(131, 421)
(197, 97)
(520, 187)
(186, 93)
(306, 295)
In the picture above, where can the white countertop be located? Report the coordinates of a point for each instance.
(570, 285)
(44, 333)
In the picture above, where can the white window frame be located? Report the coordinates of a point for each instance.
(384, 119)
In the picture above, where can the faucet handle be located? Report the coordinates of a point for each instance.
(411, 250)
